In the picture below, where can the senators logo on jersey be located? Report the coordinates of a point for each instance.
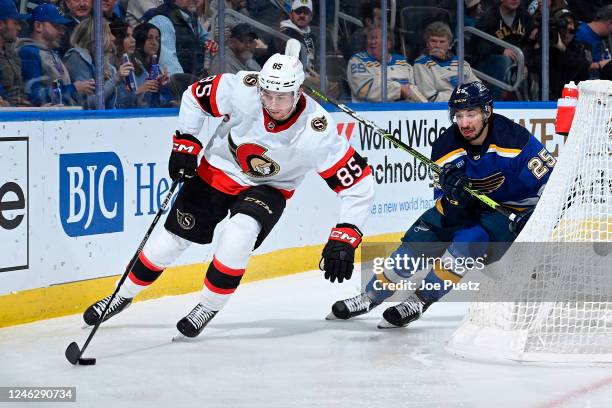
(319, 124)
(252, 159)
(250, 79)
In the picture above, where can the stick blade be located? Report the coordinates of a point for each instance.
(73, 353)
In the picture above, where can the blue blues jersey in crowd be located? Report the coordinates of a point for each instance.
(511, 166)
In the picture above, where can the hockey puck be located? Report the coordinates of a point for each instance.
(87, 361)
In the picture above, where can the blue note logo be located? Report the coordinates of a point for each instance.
(91, 193)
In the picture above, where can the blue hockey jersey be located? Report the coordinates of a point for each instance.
(511, 166)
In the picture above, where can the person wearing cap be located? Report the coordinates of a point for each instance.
(473, 12)
(238, 52)
(10, 63)
(42, 68)
(298, 27)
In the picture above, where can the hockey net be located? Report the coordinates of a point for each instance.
(564, 307)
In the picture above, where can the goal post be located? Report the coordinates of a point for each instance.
(560, 268)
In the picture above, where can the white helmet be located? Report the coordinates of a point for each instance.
(281, 73)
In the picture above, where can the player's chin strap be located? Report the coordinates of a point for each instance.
(485, 199)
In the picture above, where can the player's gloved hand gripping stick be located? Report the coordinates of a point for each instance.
(485, 199)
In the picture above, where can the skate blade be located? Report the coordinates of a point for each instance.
(85, 326)
(331, 316)
(180, 337)
(383, 324)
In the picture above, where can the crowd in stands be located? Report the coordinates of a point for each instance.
(153, 49)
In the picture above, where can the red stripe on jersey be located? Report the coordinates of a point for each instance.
(226, 269)
(145, 261)
(209, 96)
(215, 289)
(137, 281)
(217, 179)
(340, 163)
(366, 172)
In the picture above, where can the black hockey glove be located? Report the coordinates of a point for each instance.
(521, 219)
(339, 252)
(453, 182)
(184, 156)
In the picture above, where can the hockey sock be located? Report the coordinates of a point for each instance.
(229, 262)
(160, 251)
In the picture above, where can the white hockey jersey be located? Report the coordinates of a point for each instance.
(250, 148)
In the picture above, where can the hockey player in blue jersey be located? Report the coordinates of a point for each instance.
(484, 151)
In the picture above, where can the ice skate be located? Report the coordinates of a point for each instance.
(192, 325)
(351, 307)
(404, 313)
(94, 312)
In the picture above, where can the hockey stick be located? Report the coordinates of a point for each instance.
(73, 353)
(483, 198)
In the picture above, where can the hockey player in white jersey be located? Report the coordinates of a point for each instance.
(271, 136)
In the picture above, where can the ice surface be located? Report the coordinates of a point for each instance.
(271, 347)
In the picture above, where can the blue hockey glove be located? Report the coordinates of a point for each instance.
(453, 182)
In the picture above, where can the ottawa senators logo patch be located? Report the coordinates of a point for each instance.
(185, 220)
(319, 124)
(250, 80)
(252, 159)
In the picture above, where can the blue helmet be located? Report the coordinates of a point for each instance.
(471, 95)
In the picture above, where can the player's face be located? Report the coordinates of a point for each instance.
(470, 122)
(278, 104)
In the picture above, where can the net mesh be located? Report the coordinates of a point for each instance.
(564, 313)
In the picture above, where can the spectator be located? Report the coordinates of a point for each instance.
(507, 22)
(238, 51)
(80, 64)
(137, 8)
(42, 67)
(593, 35)
(364, 73)
(124, 44)
(436, 70)
(10, 63)
(146, 54)
(370, 16)
(298, 27)
(75, 10)
(181, 48)
(473, 12)
(112, 12)
(568, 60)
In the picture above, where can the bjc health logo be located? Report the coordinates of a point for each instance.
(91, 193)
